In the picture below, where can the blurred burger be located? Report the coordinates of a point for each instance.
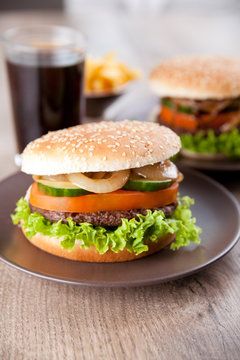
(200, 100)
(105, 192)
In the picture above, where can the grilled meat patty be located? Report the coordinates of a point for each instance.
(101, 218)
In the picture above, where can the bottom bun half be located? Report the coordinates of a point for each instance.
(52, 245)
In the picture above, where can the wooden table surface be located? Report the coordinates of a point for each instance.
(194, 318)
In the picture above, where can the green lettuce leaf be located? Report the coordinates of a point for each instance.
(225, 143)
(133, 234)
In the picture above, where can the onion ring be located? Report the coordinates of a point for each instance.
(115, 181)
(160, 171)
(58, 184)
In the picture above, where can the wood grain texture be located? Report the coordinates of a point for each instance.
(193, 318)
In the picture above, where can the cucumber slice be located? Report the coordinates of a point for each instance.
(167, 102)
(184, 109)
(147, 185)
(131, 184)
(59, 192)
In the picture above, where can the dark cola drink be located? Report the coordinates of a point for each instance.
(46, 88)
(45, 98)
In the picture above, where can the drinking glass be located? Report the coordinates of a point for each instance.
(45, 67)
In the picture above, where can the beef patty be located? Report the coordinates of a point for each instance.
(101, 218)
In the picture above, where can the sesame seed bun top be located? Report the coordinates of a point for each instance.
(197, 77)
(102, 146)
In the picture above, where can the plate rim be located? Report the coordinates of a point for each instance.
(145, 282)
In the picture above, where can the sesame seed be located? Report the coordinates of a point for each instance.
(133, 137)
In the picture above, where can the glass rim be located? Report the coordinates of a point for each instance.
(77, 42)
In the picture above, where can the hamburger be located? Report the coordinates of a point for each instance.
(200, 100)
(105, 192)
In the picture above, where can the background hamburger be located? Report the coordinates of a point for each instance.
(105, 192)
(200, 100)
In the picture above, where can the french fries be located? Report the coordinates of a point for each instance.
(104, 74)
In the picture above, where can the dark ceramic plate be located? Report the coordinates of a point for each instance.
(212, 165)
(220, 226)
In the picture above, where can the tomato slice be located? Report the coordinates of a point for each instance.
(182, 120)
(192, 122)
(222, 118)
(117, 200)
